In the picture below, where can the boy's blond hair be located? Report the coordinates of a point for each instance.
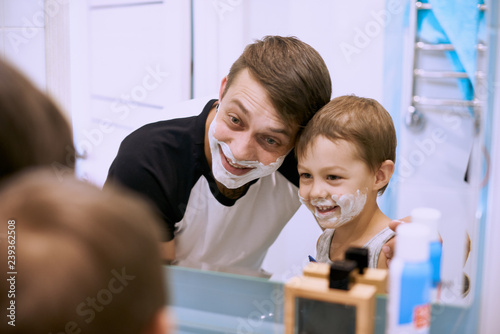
(361, 121)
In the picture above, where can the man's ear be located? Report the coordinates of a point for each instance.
(222, 87)
(383, 174)
(161, 323)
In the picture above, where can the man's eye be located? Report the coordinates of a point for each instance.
(234, 120)
(271, 141)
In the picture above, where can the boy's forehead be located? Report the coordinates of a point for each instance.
(320, 145)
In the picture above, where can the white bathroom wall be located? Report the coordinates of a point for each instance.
(34, 37)
(349, 38)
(22, 37)
(137, 63)
(490, 303)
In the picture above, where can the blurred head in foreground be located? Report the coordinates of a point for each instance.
(33, 130)
(85, 260)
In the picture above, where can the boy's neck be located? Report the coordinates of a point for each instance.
(358, 231)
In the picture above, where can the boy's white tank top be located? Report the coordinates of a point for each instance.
(374, 246)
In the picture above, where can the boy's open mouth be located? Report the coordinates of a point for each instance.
(324, 210)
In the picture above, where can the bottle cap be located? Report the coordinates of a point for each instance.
(360, 256)
(429, 217)
(340, 274)
(412, 242)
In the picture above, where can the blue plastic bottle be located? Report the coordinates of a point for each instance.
(410, 280)
(431, 218)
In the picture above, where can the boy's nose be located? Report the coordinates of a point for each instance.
(318, 190)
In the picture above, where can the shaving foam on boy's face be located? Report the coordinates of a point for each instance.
(337, 210)
(229, 180)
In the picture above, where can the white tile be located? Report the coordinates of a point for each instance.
(24, 13)
(139, 53)
(125, 114)
(2, 13)
(27, 52)
(117, 3)
(2, 46)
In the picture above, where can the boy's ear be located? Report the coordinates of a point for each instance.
(383, 174)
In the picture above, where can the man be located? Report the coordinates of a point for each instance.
(226, 181)
(76, 257)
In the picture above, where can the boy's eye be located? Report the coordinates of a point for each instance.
(305, 175)
(333, 177)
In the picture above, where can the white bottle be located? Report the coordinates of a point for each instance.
(431, 218)
(410, 279)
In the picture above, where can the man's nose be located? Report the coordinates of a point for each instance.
(243, 147)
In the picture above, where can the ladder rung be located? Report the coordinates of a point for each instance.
(418, 72)
(420, 100)
(444, 47)
(422, 5)
(434, 47)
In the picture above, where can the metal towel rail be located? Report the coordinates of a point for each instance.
(444, 47)
(420, 100)
(418, 72)
(415, 119)
(422, 5)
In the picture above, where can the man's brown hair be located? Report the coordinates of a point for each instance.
(33, 131)
(293, 74)
(361, 121)
(85, 259)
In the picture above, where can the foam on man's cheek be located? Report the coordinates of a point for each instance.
(229, 180)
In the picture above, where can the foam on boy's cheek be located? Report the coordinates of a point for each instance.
(349, 206)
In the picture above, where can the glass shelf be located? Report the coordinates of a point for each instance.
(212, 302)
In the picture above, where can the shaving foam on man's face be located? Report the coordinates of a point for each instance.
(337, 210)
(242, 171)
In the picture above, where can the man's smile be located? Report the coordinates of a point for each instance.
(231, 167)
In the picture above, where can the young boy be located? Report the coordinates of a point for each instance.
(80, 260)
(346, 158)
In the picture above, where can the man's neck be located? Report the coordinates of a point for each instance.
(232, 193)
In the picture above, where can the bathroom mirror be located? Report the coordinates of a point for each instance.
(138, 62)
